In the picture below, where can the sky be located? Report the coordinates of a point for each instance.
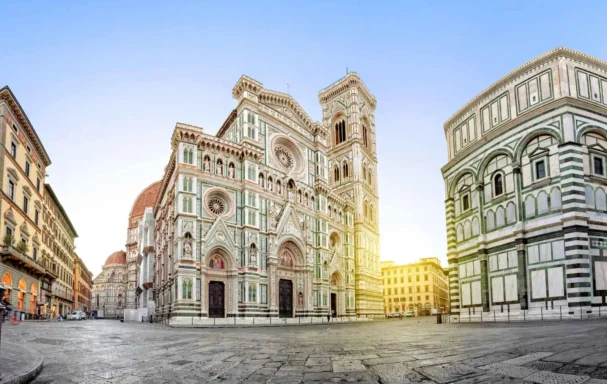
(105, 82)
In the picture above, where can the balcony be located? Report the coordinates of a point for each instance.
(11, 254)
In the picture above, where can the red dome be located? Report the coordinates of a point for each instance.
(146, 198)
(116, 258)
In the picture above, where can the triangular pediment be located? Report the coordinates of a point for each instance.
(597, 147)
(287, 112)
(288, 224)
(538, 151)
(219, 234)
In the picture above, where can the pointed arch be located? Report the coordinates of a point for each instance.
(345, 170)
(590, 129)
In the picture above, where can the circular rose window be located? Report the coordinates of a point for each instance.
(284, 156)
(217, 202)
(217, 206)
(287, 154)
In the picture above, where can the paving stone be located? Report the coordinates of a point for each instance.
(348, 366)
(571, 355)
(597, 358)
(544, 377)
(509, 370)
(575, 369)
(491, 358)
(388, 360)
(447, 373)
(354, 357)
(522, 360)
(599, 373)
(491, 379)
(335, 377)
(544, 365)
(397, 373)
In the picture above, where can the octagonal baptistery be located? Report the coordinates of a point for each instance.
(526, 189)
(276, 214)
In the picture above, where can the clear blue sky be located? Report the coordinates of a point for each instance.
(105, 82)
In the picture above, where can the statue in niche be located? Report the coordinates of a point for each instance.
(187, 249)
(300, 300)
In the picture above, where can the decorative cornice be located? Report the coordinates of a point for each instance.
(349, 81)
(546, 57)
(7, 95)
(226, 124)
(246, 83)
(521, 119)
(267, 96)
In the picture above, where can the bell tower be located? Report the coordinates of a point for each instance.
(349, 116)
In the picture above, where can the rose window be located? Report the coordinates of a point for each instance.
(284, 156)
(216, 205)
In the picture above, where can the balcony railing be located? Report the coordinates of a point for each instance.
(10, 252)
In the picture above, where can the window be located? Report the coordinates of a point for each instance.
(365, 141)
(35, 254)
(540, 169)
(187, 288)
(26, 201)
(188, 156)
(345, 171)
(498, 184)
(465, 202)
(13, 150)
(15, 128)
(27, 168)
(598, 165)
(336, 174)
(11, 190)
(36, 216)
(340, 132)
(253, 293)
(38, 184)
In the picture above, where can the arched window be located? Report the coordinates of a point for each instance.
(364, 172)
(336, 174)
(188, 235)
(207, 164)
(188, 156)
(278, 187)
(370, 178)
(365, 209)
(306, 199)
(7, 281)
(365, 140)
(498, 184)
(299, 197)
(345, 170)
(262, 181)
(371, 212)
(270, 184)
(33, 292)
(340, 132)
(232, 171)
(21, 295)
(219, 169)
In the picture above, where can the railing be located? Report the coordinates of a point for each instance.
(559, 313)
(200, 321)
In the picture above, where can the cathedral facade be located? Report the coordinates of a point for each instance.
(526, 187)
(275, 215)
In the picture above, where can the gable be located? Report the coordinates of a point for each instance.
(219, 234)
(288, 224)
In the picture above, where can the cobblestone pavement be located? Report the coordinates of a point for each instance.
(396, 351)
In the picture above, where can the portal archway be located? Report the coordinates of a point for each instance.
(218, 280)
(337, 295)
(290, 282)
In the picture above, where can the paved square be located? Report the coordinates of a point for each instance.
(397, 351)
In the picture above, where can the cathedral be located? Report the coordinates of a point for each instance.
(274, 216)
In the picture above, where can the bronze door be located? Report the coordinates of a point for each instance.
(216, 299)
(285, 298)
(334, 304)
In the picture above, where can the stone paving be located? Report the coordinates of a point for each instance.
(397, 351)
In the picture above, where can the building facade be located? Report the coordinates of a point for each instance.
(24, 269)
(110, 287)
(59, 236)
(526, 187)
(422, 287)
(275, 215)
(140, 255)
(83, 280)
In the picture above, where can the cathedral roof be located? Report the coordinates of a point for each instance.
(146, 198)
(116, 258)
